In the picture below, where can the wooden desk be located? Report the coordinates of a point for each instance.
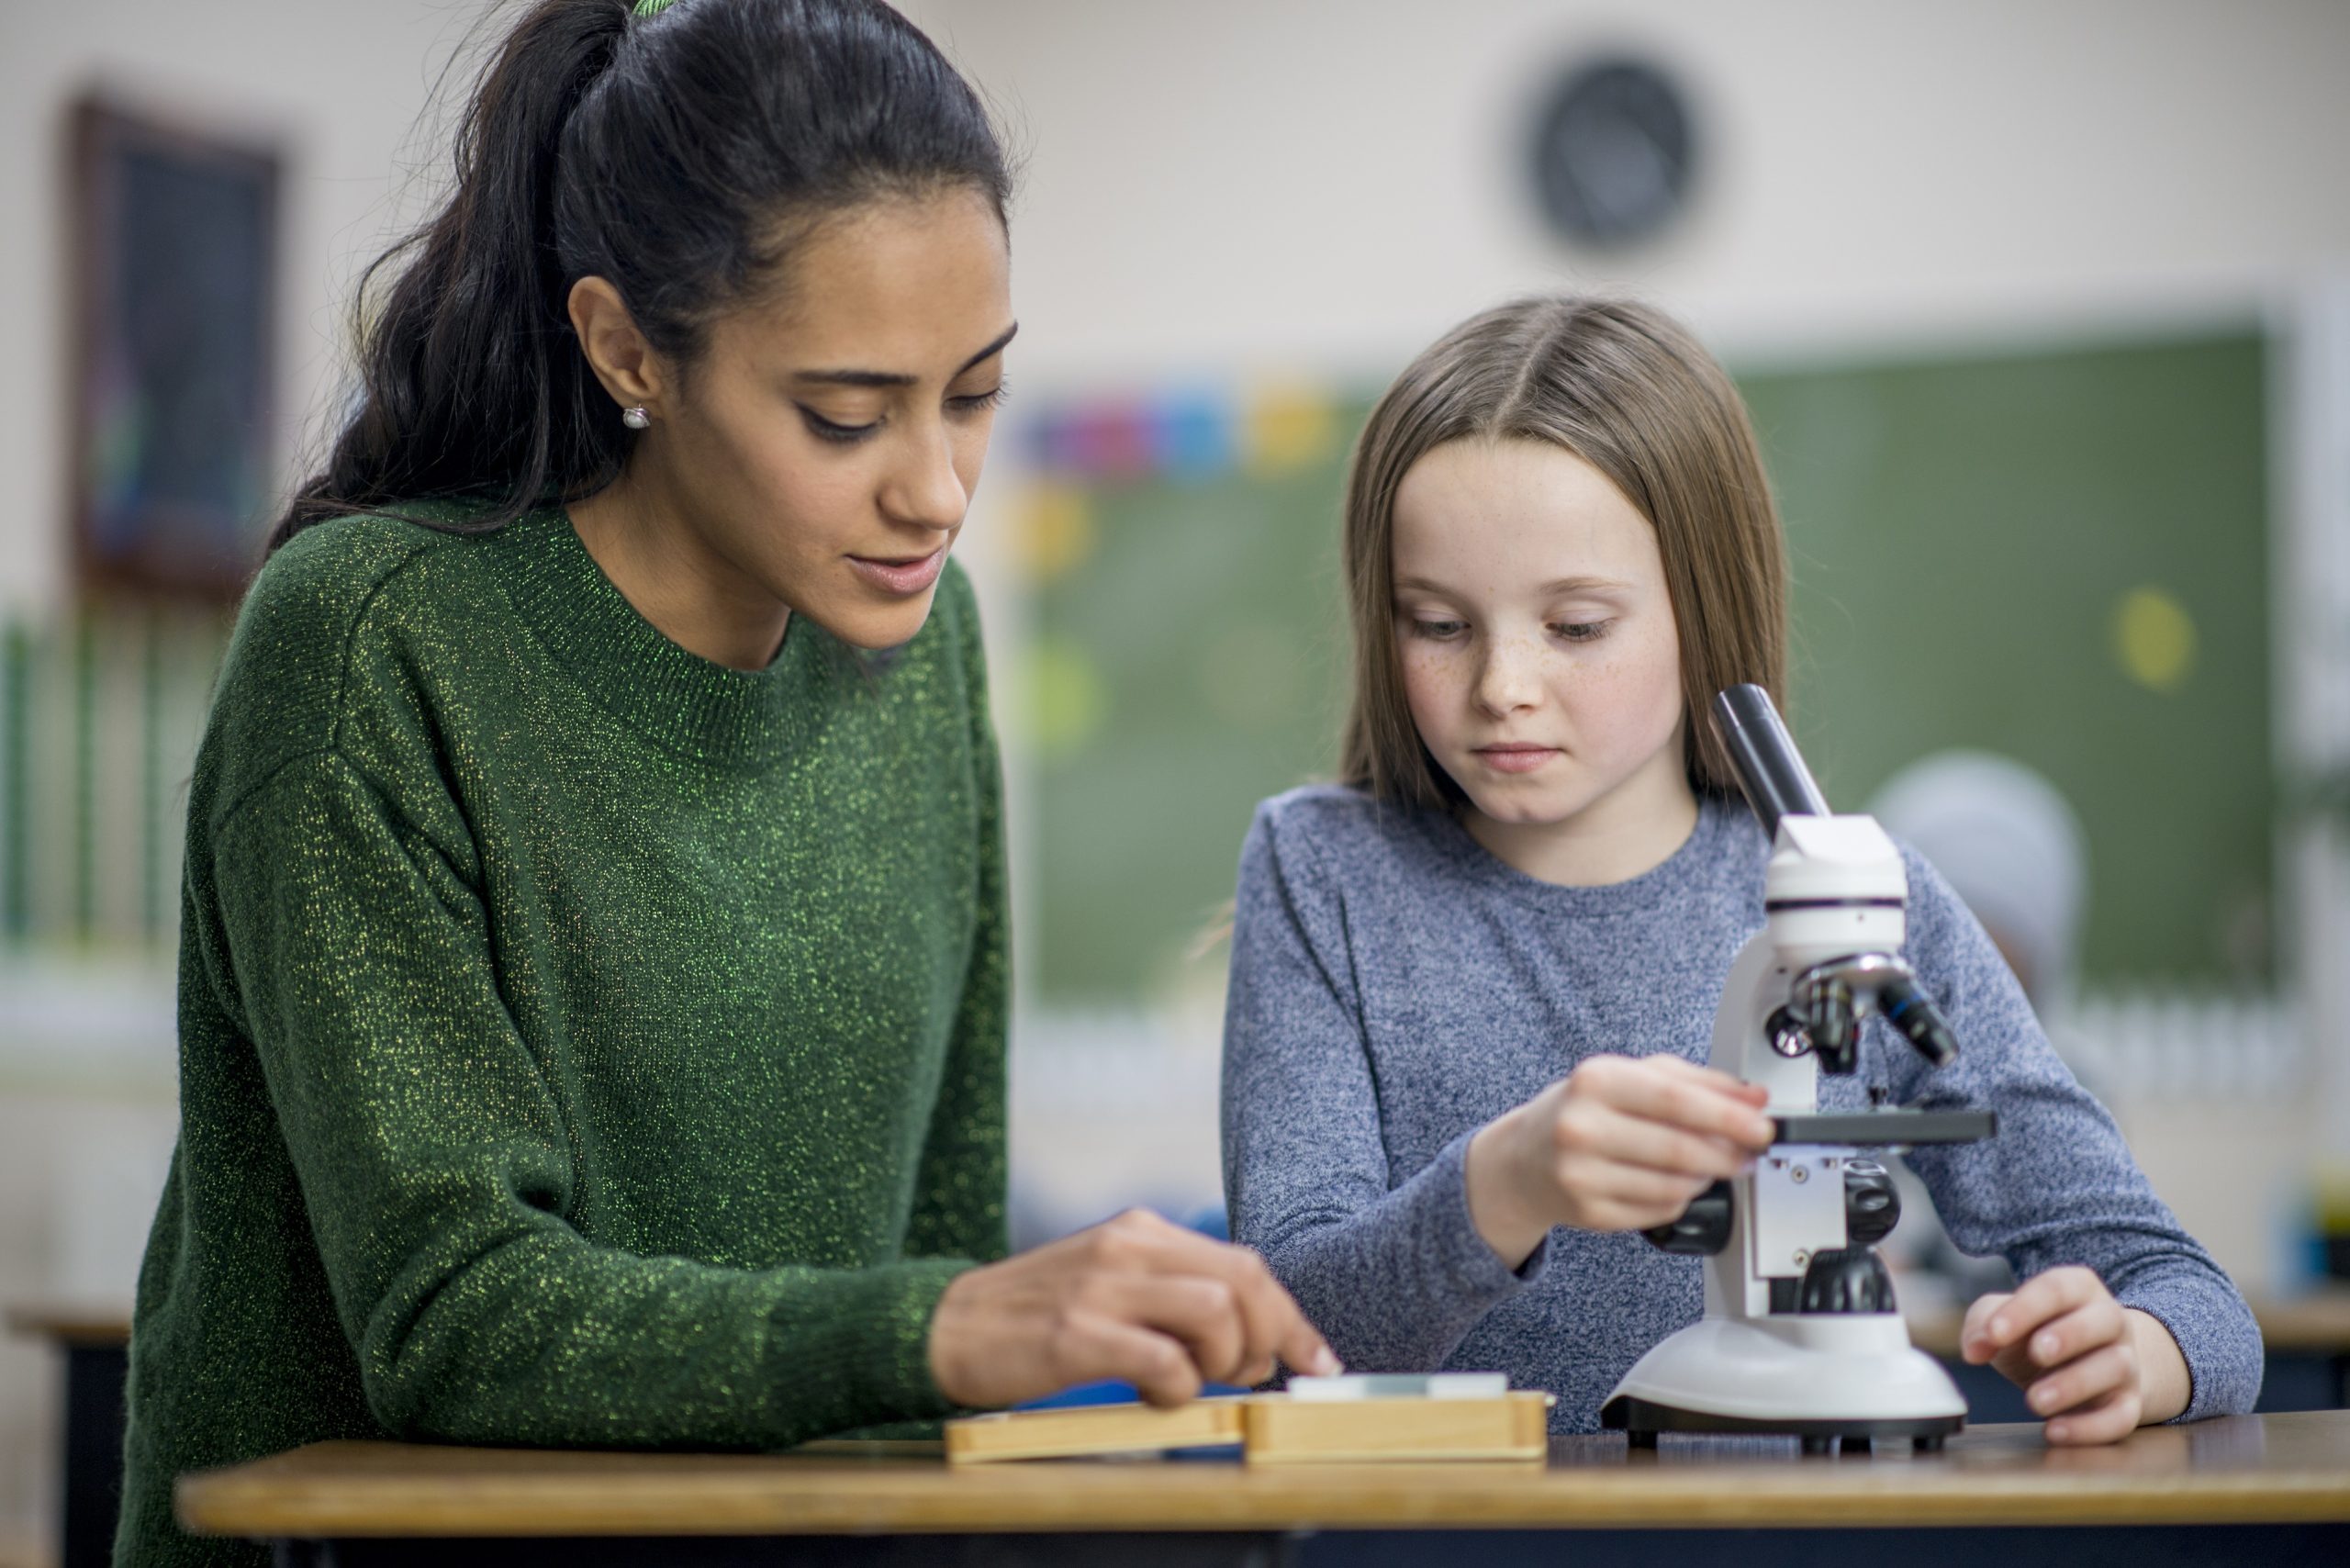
(96, 1343)
(2281, 1483)
(2317, 1324)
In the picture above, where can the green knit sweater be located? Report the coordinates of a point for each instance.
(581, 1043)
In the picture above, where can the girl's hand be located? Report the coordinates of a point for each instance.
(1621, 1143)
(1136, 1298)
(2096, 1370)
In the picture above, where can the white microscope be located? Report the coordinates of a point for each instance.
(1800, 1334)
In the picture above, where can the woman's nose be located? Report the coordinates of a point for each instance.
(924, 488)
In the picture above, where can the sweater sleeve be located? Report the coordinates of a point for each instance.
(2058, 1185)
(436, 1168)
(960, 1188)
(1394, 1277)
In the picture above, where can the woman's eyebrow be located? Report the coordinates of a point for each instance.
(899, 378)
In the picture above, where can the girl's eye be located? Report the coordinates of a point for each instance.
(824, 429)
(1438, 631)
(1581, 630)
(980, 402)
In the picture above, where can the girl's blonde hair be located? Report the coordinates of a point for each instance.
(1629, 391)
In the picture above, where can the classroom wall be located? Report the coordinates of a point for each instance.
(1330, 181)
(1326, 183)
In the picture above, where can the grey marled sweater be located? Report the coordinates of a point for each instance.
(1394, 987)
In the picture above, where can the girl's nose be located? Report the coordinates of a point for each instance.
(1507, 680)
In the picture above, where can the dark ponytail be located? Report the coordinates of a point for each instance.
(672, 155)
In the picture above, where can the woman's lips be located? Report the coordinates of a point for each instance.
(903, 576)
(1515, 759)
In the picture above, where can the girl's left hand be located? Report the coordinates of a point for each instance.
(2095, 1370)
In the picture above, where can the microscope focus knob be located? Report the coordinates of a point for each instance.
(1703, 1228)
(1872, 1207)
(1851, 1279)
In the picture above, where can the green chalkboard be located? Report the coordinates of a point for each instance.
(1209, 616)
(2058, 554)
(2062, 557)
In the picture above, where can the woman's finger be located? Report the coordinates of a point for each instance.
(1095, 1348)
(1277, 1329)
(1269, 1319)
(1195, 1309)
(1265, 1312)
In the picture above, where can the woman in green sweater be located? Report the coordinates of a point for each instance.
(592, 988)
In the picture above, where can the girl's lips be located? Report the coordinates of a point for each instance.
(1515, 759)
(902, 577)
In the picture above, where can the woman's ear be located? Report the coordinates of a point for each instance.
(618, 353)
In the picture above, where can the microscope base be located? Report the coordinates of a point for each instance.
(1822, 1377)
(1643, 1423)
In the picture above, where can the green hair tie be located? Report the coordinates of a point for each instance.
(653, 7)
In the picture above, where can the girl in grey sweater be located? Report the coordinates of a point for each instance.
(1472, 984)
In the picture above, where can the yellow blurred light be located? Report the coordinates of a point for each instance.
(1064, 700)
(1054, 531)
(2153, 639)
(1287, 428)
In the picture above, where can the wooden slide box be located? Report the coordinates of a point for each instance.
(1089, 1430)
(1282, 1430)
(1270, 1429)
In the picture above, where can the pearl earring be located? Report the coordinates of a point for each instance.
(636, 418)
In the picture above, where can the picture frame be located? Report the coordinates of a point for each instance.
(175, 267)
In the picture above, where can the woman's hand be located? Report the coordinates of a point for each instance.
(1134, 1298)
(1621, 1143)
(2095, 1369)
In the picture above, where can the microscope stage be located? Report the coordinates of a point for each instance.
(1885, 1129)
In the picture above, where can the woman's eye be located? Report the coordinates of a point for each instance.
(980, 402)
(1580, 631)
(1438, 631)
(828, 430)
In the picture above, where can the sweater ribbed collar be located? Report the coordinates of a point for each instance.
(676, 698)
(1672, 877)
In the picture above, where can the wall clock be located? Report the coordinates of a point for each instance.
(1614, 150)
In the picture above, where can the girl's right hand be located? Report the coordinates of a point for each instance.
(1134, 1298)
(1621, 1143)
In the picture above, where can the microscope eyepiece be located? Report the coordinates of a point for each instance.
(1770, 769)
